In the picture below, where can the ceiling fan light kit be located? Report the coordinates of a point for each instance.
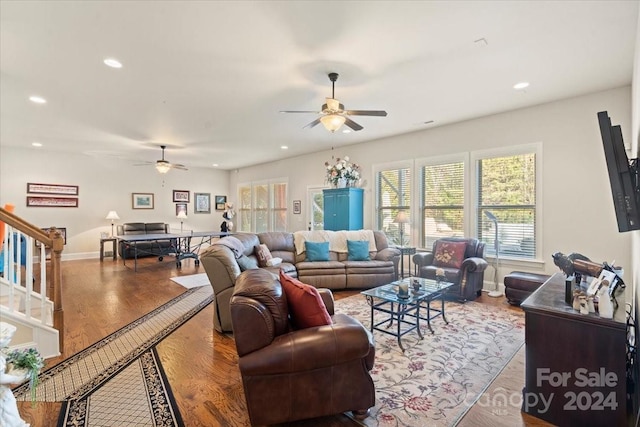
(334, 115)
(163, 166)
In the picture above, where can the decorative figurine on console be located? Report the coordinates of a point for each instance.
(228, 214)
(12, 374)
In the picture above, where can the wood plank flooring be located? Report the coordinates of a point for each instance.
(201, 364)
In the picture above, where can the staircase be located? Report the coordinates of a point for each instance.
(30, 283)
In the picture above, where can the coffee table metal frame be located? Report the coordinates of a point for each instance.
(406, 311)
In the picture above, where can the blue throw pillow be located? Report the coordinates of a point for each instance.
(358, 250)
(317, 251)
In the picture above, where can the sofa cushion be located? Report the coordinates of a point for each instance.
(247, 263)
(306, 307)
(449, 254)
(262, 254)
(317, 251)
(134, 228)
(358, 250)
(155, 228)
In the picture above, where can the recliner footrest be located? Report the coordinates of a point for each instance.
(518, 285)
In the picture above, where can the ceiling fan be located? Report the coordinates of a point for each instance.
(163, 166)
(334, 115)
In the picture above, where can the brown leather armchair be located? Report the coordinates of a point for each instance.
(291, 374)
(468, 278)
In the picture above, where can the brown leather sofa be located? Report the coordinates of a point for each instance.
(291, 374)
(222, 268)
(468, 278)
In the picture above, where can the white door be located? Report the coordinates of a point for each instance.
(315, 201)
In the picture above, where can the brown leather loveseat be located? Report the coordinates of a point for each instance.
(291, 374)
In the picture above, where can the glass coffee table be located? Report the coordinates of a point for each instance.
(405, 311)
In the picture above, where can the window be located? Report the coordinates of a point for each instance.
(263, 206)
(506, 188)
(394, 196)
(443, 201)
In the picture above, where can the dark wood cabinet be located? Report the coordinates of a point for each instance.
(575, 364)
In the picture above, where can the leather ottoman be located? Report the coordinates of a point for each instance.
(518, 285)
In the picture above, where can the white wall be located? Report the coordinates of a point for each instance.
(105, 184)
(577, 208)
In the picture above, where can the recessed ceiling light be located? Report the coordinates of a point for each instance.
(284, 147)
(36, 144)
(521, 85)
(215, 165)
(37, 99)
(346, 131)
(113, 63)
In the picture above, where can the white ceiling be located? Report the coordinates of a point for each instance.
(208, 79)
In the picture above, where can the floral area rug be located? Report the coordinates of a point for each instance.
(437, 379)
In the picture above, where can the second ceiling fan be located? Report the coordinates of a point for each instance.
(334, 115)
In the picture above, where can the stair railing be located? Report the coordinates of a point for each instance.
(21, 236)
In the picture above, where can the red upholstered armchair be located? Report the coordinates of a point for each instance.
(291, 374)
(463, 263)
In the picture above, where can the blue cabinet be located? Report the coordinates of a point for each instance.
(343, 209)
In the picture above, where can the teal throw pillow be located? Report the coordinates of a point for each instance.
(358, 250)
(246, 263)
(317, 251)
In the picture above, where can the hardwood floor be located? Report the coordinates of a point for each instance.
(201, 364)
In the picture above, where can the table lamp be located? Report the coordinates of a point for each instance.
(112, 215)
(182, 215)
(401, 219)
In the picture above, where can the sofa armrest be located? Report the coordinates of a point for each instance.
(388, 254)
(422, 259)
(309, 349)
(327, 299)
(474, 265)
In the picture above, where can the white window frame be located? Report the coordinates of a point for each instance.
(380, 167)
(535, 148)
(271, 198)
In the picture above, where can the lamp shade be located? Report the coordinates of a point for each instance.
(181, 215)
(401, 218)
(332, 122)
(112, 215)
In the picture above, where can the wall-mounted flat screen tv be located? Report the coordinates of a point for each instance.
(623, 175)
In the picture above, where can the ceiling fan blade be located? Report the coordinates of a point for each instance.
(144, 164)
(178, 166)
(314, 112)
(380, 113)
(353, 125)
(312, 124)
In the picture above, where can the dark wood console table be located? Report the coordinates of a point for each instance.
(575, 364)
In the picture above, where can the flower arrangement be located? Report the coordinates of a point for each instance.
(343, 170)
(29, 361)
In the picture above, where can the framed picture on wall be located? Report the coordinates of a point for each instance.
(202, 203)
(52, 202)
(142, 200)
(181, 196)
(62, 230)
(220, 202)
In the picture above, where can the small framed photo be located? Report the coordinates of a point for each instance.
(142, 200)
(181, 207)
(221, 201)
(297, 207)
(202, 203)
(63, 190)
(62, 230)
(181, 196)
(52, 202)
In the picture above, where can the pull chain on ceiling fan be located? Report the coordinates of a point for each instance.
(333, 113)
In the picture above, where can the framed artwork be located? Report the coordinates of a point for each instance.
(63, 190)
(62, 230)
(202, 203)
(181, 196)
(52, 202)
(142, 200)
(297, 207)
(220, 202)
(181, 207)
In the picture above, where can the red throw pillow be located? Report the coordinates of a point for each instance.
(263, 254)
(305, 303)
(449, 254)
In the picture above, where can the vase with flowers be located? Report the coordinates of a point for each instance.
(343, 173)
